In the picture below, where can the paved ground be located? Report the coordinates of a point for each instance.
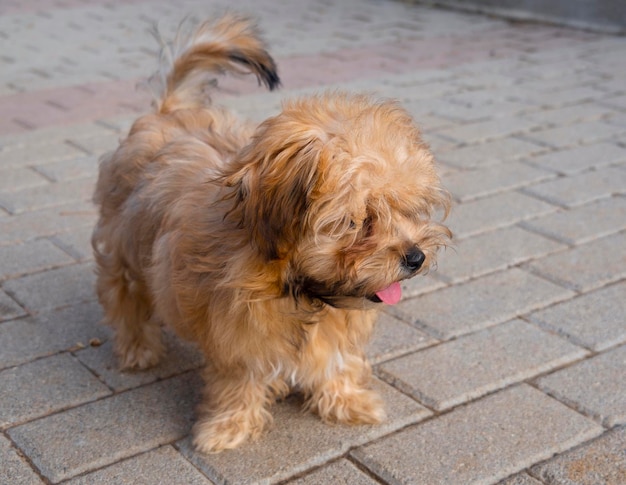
(508, 363)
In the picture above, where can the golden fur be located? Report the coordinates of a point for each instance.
(268, 245)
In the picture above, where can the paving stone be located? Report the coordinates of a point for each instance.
(594, 320)
(19, 178)
(52, 135)
(163, 465)
(594, 386)
(580, 158)
(520, 479)
(49, 195)
(493, 251)
(581, 188)
(46, 222)
(44, 386)
(181, 357)
(77, 243)
(29, 257)
(100, 433)
(471, 184)
(423, 283)
(480, 443)
(297, 442)
(490, 129)
(53, 288)
(9, 308)
(48, 333)
(33, 153)
(602, 461)
(561, 97)
(570, 114)
(584, 223)
(97, 145)
(14, 468)
(76, 168)
(469, 367)
(585, 132)
(393, 337)
(585, 267)
(341, 472)
(494, 212)
(479, 303)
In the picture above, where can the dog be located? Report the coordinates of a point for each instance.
(272, 247)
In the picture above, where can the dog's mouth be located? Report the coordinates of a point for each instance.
(390, 295)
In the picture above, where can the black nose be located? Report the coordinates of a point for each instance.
(414, 259)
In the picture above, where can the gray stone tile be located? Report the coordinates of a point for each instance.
(488, 130)
(583, 223)
(36, 152)
(602, 461)
(520, 479)
(163, 465)
(48, 333)
(97, 145)
(577, 159)
(46, 222)
(581, 188)
(594, 386)
(423, 283)
(490, 153)
(77, 243)
(587, 266)
(585, 132)
(471, 184)
(596, 320)
(76, 168)
(53, 288)
(570, 114)
(103, 432)
(12, 179)
(493, 251)
(479, 303)
(483, 442)
(341, 472)
(39, 388)
(469, 367)
(49, 195)
(32, 256)
(393, 337)
(9, 308)
(14, 469)
(180, 357)
(297, 442)
(494, 212)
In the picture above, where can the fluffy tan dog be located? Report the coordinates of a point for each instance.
(273, 248)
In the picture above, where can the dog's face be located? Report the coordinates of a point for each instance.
(343, 192)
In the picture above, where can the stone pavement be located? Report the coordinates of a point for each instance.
(507, 364)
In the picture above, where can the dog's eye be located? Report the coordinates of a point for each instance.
(352, 224)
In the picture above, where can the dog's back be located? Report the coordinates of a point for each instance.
(184, 142)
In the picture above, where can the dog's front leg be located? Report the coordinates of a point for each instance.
(234, 409)
(339, 392)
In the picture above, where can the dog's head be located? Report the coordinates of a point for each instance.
(343, 192)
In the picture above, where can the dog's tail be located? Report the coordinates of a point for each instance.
(230, 44)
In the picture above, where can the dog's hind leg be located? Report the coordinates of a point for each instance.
(128, 309)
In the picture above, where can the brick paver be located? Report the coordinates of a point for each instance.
(510, 352)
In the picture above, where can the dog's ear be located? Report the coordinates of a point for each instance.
(274, 179)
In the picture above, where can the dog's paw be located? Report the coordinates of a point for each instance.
(226, 432)
(360, 406)
(138, 356)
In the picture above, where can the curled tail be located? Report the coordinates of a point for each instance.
(231, 44)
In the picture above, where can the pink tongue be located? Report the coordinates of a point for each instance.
(390, 295)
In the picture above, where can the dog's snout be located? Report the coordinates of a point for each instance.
(414, 259)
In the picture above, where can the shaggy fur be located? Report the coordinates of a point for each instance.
(270, 247)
